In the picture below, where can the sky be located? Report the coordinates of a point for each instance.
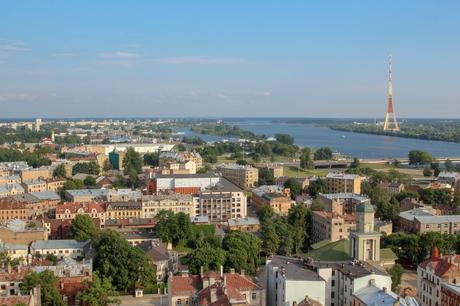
(234, 58)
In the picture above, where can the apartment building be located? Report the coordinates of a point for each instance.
(181, 183)
(11, 210)
(36, 173)
(60, 248)
(181, 157)
(10, 179)
(451, 178)
(277, 197)
(123, 210)
(21, 232)
(35, 185)
(444, 224)
(450, 294)
(213, 288)
(275, 169)
(153, 204)
(433, 273)
(38, 203)
(331, 226)
(244, 176)
(221, 202)
(337, 182)
(68, 211)
(342, 203)
(11, 190)
(54, 184)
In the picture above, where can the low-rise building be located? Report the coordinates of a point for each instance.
(162, 256)
(36, 173)
(36, 185)
(11, 210)
(10, 179)
(181, 183)
(276, 170)
(247, 224)
(450, 294)
(432, 273)
(392, 187)
(275, 196)
(451, 178)
(54, 184)
(22, 232)
(445, 224)
(153, 204)
(337, 182)
(244, 176)
(11, 190)
(68, 211)
(14, 251)
(38, 203)
(61, 248)
(212, 288)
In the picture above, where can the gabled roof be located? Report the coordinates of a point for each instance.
(441, 265)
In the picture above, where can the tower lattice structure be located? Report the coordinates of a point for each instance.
(391, 114)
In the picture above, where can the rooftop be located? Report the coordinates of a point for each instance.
(341, 175)
(243, 221)
(345, 196)
(415, 212)
(59, 244)
(294, 268)
(372, 295)
(438, 219)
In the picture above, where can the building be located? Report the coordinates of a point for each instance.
(277, 197)
(86, 195)
(38, 203)
(68, 211)
(11, 210)
(244, 176)
(141, 148)
(61, 248)
(444, 224)
(365, 241)
(392, 187)
(10, 179)
(247, 224)
(372, 295)
(55, 184)
(181, 183)
(36, 173)
(14, 251)
(162, 256)
(11, 190)
(123, 210)
(275, 169)
(116, 159)
(303, 181)
(432, 273)
(135, 237)
(181, 157)
(407, 218)
(212, 288)
(337, 182)
(331, 226)
(153, 204)
(450, 295)
(221, 202)
(342, 203)
(451, 178)
(21, 232)
(35, 185)
(10, 279)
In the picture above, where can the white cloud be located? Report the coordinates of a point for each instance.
(267, 94)
(201, 60)
(16, 97)
(9, 49)
(120, 55)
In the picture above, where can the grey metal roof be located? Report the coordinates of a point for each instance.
(59, 244)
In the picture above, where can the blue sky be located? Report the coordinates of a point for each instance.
(228, 58)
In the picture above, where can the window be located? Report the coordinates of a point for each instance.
(179, 302)
(254, 296)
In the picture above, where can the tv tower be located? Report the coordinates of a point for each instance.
(390, 126)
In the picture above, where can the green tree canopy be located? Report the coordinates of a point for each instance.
(87, 168)
(266, 177)
(99, 292)
(132, 161)
(152, 159)
(294, 186)
(418, 157)
(323, 153)
(305, 159)
(83, 228)
(316, 187)
(89, 181)
(49, 293)
(60, 171)
(242, 251)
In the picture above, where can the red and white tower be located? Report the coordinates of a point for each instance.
(390, 115)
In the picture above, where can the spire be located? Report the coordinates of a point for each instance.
(434, 252)
(390, 115)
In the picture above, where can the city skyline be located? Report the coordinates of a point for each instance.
(239, 59)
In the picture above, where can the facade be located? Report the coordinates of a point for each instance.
(116, 159)
(36, 173)
(14, 251)
(331, 226)
(11, 190)
(36, 185)
(221, 202)
(432, 274)
(212, 288)
(181, 183)
(445, 224)
(164, 258)
(392, 187)
(10, 179)
(242, 176)
(11, 210)
(38, 203)
(153, 204)
(450, 295)
(451, 178)
(54, 184)
(247, 224)
(275, 169)
(68, 211)
(275, 196)
(343, 183)
(123, 210)
(21, 232)
(342, 203)
(60, 248)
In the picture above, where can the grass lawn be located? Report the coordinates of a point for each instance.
(296, 171)
(225, 159)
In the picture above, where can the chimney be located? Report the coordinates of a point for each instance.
(213, 294)
(225, 279)
(8, 267)
(19, 268)
(372, 282)
(232, 271)
(242, 272)
(384, 289)
(201, 271)
(221, 271)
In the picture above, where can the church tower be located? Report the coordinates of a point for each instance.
(365, 242)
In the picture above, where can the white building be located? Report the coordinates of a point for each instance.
(60, 248)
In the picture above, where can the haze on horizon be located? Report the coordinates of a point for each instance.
(228, 59)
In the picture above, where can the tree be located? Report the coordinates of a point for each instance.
(122, 263)
(317, 205)
(324, 153)
(435, 168)
(316, 187)
(89, 181)
(152, 159)
(60, 171)
(242, 251)
(427, 172)
(87, 168)
(207, 257)
(388, 210)
(294, 186)
(49, 293)
(82, 228)
(355, 163)
(180, 147)
(99, 292)
(132, 162)
(173, 227)
(305, 159)
(285, 139)
(107, 166)
(396, 273)
(266, 213)
(299, 218)
(418, 157)
(266, 177)
(271, 242)
(449, 165)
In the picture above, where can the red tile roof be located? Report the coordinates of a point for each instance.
(183, 284)
(14, 300)
(441, 265)
(224, 295)
(74, 207)
(10, 204)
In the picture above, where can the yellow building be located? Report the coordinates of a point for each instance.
(343, 183)
(243, 176)
(124, 210)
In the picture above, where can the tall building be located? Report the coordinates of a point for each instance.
(243, 176)
(116, 159)
(365, 241)
(38, 123)
(391, 114)
(341, 182)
